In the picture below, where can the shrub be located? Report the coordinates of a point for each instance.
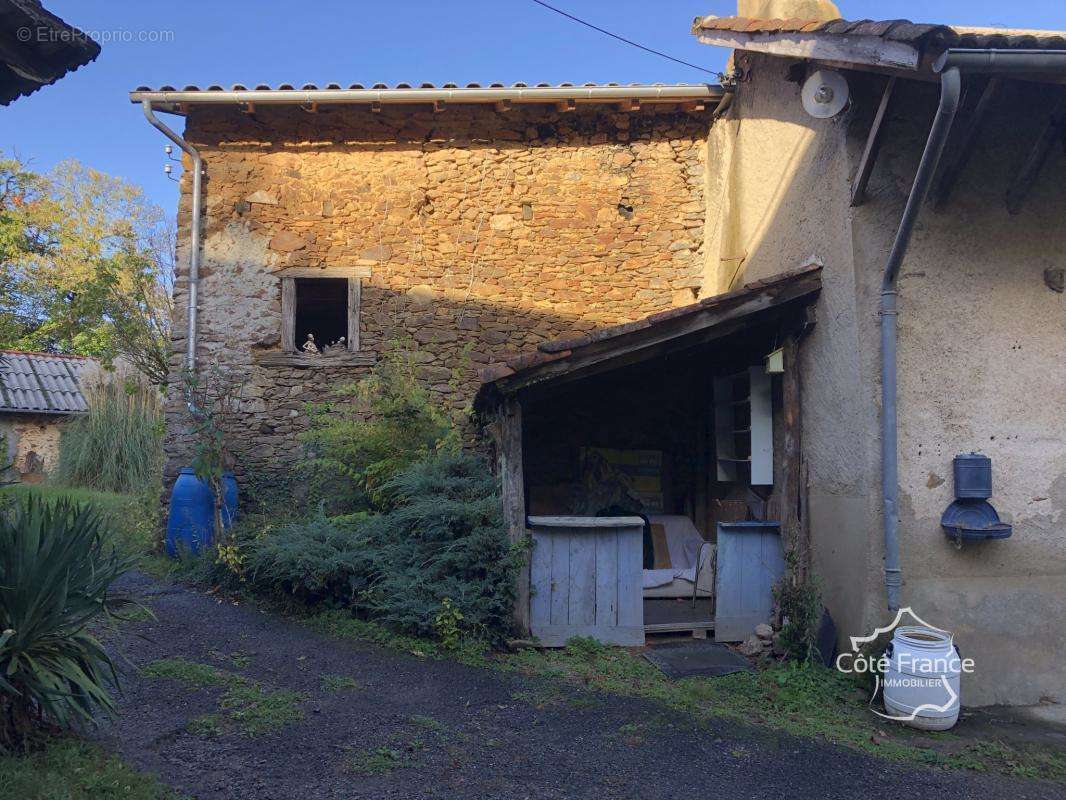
(442, 539)
(370, 431)
(320, 561)
(116, 446)
(436, 563)
(55, 574)
(800, 605)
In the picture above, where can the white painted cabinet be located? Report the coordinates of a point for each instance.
(743, 427)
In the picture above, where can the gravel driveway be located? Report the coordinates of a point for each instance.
(413, 728)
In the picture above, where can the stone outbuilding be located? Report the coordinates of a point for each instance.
(38, 393)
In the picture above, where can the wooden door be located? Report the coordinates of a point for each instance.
(585, 580)
(750, 562)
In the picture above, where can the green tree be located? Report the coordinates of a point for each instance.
(87, 265)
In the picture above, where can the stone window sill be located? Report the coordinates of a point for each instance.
(277, 358)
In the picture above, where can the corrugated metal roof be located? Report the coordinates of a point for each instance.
(920, 35)
(42, 383)
(51, 50)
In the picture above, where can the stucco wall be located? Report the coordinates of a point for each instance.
(486, 232)
(980, 361)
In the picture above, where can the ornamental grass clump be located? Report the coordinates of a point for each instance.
(117, 445)
(55, 576)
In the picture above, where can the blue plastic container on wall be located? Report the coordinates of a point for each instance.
(973, 476)
(191, 524)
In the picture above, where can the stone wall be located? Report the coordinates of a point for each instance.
(32, 444)
(486, 233)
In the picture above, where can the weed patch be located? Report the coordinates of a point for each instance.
(255, 709)
(338, 683)
(189, 673)
(378, 761)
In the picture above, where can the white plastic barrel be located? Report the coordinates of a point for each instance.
(921, 680)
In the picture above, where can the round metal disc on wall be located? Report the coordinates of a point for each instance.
(825, 93)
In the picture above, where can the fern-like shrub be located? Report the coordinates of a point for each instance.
(369, 431)
(55, 578)
(442, 546)
(435, 562)
(319, 561)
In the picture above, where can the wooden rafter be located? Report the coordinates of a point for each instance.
(873, 144)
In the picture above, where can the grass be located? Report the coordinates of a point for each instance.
(338, 683)
(378, 761)
(810, 702)
(70, 769)
(189, 673)
(249, 707)
(132, 520)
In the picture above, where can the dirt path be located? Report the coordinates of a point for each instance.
(419, 729)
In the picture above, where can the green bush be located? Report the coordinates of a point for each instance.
(442, 539)
(436, 562)
(370, 431)
(117, 445)
(320, 561)
(55, 578)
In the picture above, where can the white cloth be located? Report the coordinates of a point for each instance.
(684, 542)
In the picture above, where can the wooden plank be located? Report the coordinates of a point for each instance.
(355, 295)
(950, 176)
(873, 145)
(793, 530)
(871, 50)
(560, 579)
(359, 271)
(288, 315)
(513, 497)
(582, 603)
(272, 358)
(762, 427)
(630, 578)
(607, 579)
(669, 335)
(1052, 133)
(750, 561)
(585, 522)
(540, 571)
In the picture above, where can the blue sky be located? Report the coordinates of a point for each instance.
(87, 115)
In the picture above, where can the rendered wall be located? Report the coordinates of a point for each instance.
(980, 359)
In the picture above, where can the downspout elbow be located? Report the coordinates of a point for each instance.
(194, 230)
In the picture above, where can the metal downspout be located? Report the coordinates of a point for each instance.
(950, 84)
(194, 230)
(949, 64)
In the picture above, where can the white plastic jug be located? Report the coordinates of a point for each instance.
(921, 681)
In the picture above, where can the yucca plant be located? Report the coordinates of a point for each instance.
(55, 576)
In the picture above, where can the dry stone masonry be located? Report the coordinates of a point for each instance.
(485, 233)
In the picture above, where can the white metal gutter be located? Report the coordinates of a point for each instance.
(166, 98)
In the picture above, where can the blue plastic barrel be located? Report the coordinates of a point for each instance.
(191, 523)
(973, 476)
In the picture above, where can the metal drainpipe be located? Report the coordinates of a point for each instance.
(948, 65)
(194, 230)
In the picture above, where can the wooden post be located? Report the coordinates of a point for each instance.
(355, 292)
(793, 514)
(512, 477)
(288, 315)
